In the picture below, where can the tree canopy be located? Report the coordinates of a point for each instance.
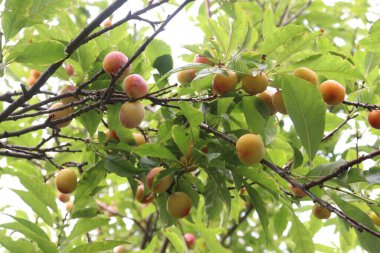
(264, 140)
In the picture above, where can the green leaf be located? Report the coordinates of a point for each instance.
(163, 64)
(121, 167)
(367, 241)
(280, 36)
(213, 200)
(255, 120)
(19, 246)
(325, 169)
(212, 243)
(180, 137)
(90, 120)
(86, 185)
(280, 221)
(87, 54)
(45, 9)
(301, 237)
(165, 217)
(175, 239)
(155, 150)
(96, 246)
(308, 115)
(260, 208)
(15, 16)
(85, 225)
(37, 206)
(39, 53)
(193, 115)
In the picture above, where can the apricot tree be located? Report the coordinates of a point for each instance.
(258, 139)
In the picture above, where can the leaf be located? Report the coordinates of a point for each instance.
(85, 225)
(121, 167)
(19, 246)
(165, 217)
(39, 53)
(210, 239)
(87, 54)
(280, 220)
(213, 200)
(90, 120)
(308, 115)
(325, 169)
(301, 237)
(45, 9)
(367, 241)
(255, 120)
(280, 36)
(15, 16)
(180, 137)
(37, 206)
(175, 240)
(163, 64)
(86, 185)
(96, 246)
(260, 208)
(193, 115)
(155, 150)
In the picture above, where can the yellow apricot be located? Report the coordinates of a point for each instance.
(255, 84)
(250, 148)
(139, 139)
(223, 84)
(66, 181)
(278, 102)
(179, 205)
(306, 74)
(266, 97)
(375, 218)
(131, 114)
(162, 185)
(186, 76)
(56, 115)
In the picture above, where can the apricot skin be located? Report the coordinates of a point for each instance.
(139, 139)
(60, 114)
(186, 76)
(35, 73)
(66, 181)
(333, 93)
(113, 61)
(63, 197)
(131, 114)
(298, 192)
(66, 89)
(374, 119)
(321, 212)
(189, 240)
(255, 84)
(119, 249)
(375, 218)
(267, 98)
(31, 80)
(144, 198)
(201, 59)
(135, 86)
(250, 148)
(278, 102)
(222, 84)
(162, 185)
(110, 134)
(69, 69)
(306, 74)
(179, 205)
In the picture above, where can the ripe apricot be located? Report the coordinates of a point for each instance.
(35, 73)
(179, 205)
(321, 212)
(113, 61)
(66, 89)
(266, 97)
(375, 218)
(31, 80)
(107, 23)
(186, 76)
(111, 135)
(63, 197)
(298, 192)
(250, 148)
(254, 84)
(139, 139)
(202, 59)
(135, 86)
(306, 74)
(131, 114)
(69, 69)
(144, 198)
(189, 240)
(223, 84)
(56, 115)
(278, 102)
(332, 92)
(162, 185)
(66, 181)
(374, 119)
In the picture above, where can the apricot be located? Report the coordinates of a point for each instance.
(69, 69)
(113, 61)
(186, 76)
(321, 212)
(31, 80)
(332, 92)
(131, 114)
(202, 59)
(189, 240)
(374, 119)
(306, 74)
(162, 185)
(179, 205)
(144, 198)
(63, 197)
(250, 148)
(135, 86)
(375, 218)
(69, 206)
(111, 135)
(266, 97)
(298, 192)
(35, 73)
(278, 102)
(56, 115)
(66, 181)
(254, 84)
(66, 89)
(139, 139)
(223, 84)
(107, 23)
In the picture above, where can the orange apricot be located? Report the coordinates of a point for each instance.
(223, 84)
(333, 93)
(135, 86)
(131, 114)
(254, 84)
(250, 148)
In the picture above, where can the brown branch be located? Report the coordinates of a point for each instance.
(298, 13)
(236, 225)
(165, 245)
(362, 105)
